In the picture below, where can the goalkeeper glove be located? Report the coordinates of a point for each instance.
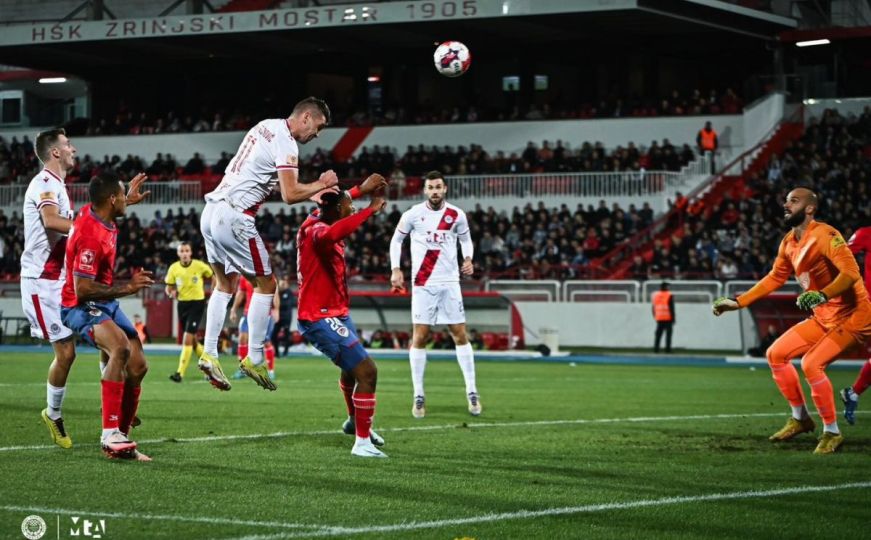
(723, 300)
(811, 299)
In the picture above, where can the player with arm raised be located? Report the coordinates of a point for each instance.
(90, 308)
(267, 156)
(860, 242)
(323, 316)
(435, 227)
(48, 216)
(841, 315)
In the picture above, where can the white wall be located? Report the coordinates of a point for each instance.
(612, 324)
(513, 136)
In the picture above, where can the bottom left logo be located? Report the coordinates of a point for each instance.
(33, 527)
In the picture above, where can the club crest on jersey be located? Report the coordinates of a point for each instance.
(338, 327)
(86, 259)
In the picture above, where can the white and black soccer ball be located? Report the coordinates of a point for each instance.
(452, 58)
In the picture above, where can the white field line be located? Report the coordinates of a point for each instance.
(442, 427)
(569, 510)
(151, 517)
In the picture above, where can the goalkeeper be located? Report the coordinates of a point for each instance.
(841, 315)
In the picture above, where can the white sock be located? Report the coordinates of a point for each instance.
(103, 365)
(258, 320)
(55, 399)
(417, 359)
(799, 411)
(832, 428)
(466, 359)
(363, 440)
(215, 314)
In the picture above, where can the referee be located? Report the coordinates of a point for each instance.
(185, 281)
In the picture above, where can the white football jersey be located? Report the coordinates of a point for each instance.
(44, 249)
(251, 175)
(434, 235)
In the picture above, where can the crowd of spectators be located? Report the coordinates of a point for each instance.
(696, 102)
(738, 238)
(734, 239)
(18, 163)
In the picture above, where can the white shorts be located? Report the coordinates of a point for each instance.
(40, 299)
(232, 240)
(206, 230)
(437, 304)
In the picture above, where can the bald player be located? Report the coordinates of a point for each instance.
(824, 266)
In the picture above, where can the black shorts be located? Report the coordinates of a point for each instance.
(190, 314)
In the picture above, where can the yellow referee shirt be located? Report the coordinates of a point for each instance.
(188, 280)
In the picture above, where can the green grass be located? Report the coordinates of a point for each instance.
(454, 470)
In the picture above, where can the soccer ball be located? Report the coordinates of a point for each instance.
(452, 58)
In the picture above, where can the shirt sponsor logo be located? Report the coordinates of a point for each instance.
(48, 195)
(292, 160)
(838, 241)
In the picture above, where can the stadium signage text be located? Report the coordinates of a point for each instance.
(253, 21)
(285, 19)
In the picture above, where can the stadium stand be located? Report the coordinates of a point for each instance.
(230, 117)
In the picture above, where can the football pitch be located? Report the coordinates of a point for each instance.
(560, 451)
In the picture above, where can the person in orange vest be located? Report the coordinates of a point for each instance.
(664, 315)
(707, 142)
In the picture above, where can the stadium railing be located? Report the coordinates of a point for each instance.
(161, 193)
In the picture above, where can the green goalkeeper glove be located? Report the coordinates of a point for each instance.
(723, 304)
(811, 299)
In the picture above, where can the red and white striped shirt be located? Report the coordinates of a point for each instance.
(252, 174)
(43, 255)
(434, 235)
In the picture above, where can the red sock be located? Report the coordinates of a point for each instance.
(863, 380)
(243, 351)
(348, 391)
(364, 410)
(269, 352)
(129, 404)
(112, 393)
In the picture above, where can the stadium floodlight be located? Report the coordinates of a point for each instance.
(52, 80)
(812, 42)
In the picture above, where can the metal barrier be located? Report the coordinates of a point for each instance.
(161, 193)
(687, 291)
(528, 290)
(597, 290)
(736, 287)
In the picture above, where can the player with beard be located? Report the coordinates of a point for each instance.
(823, 264)
(435, 227)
